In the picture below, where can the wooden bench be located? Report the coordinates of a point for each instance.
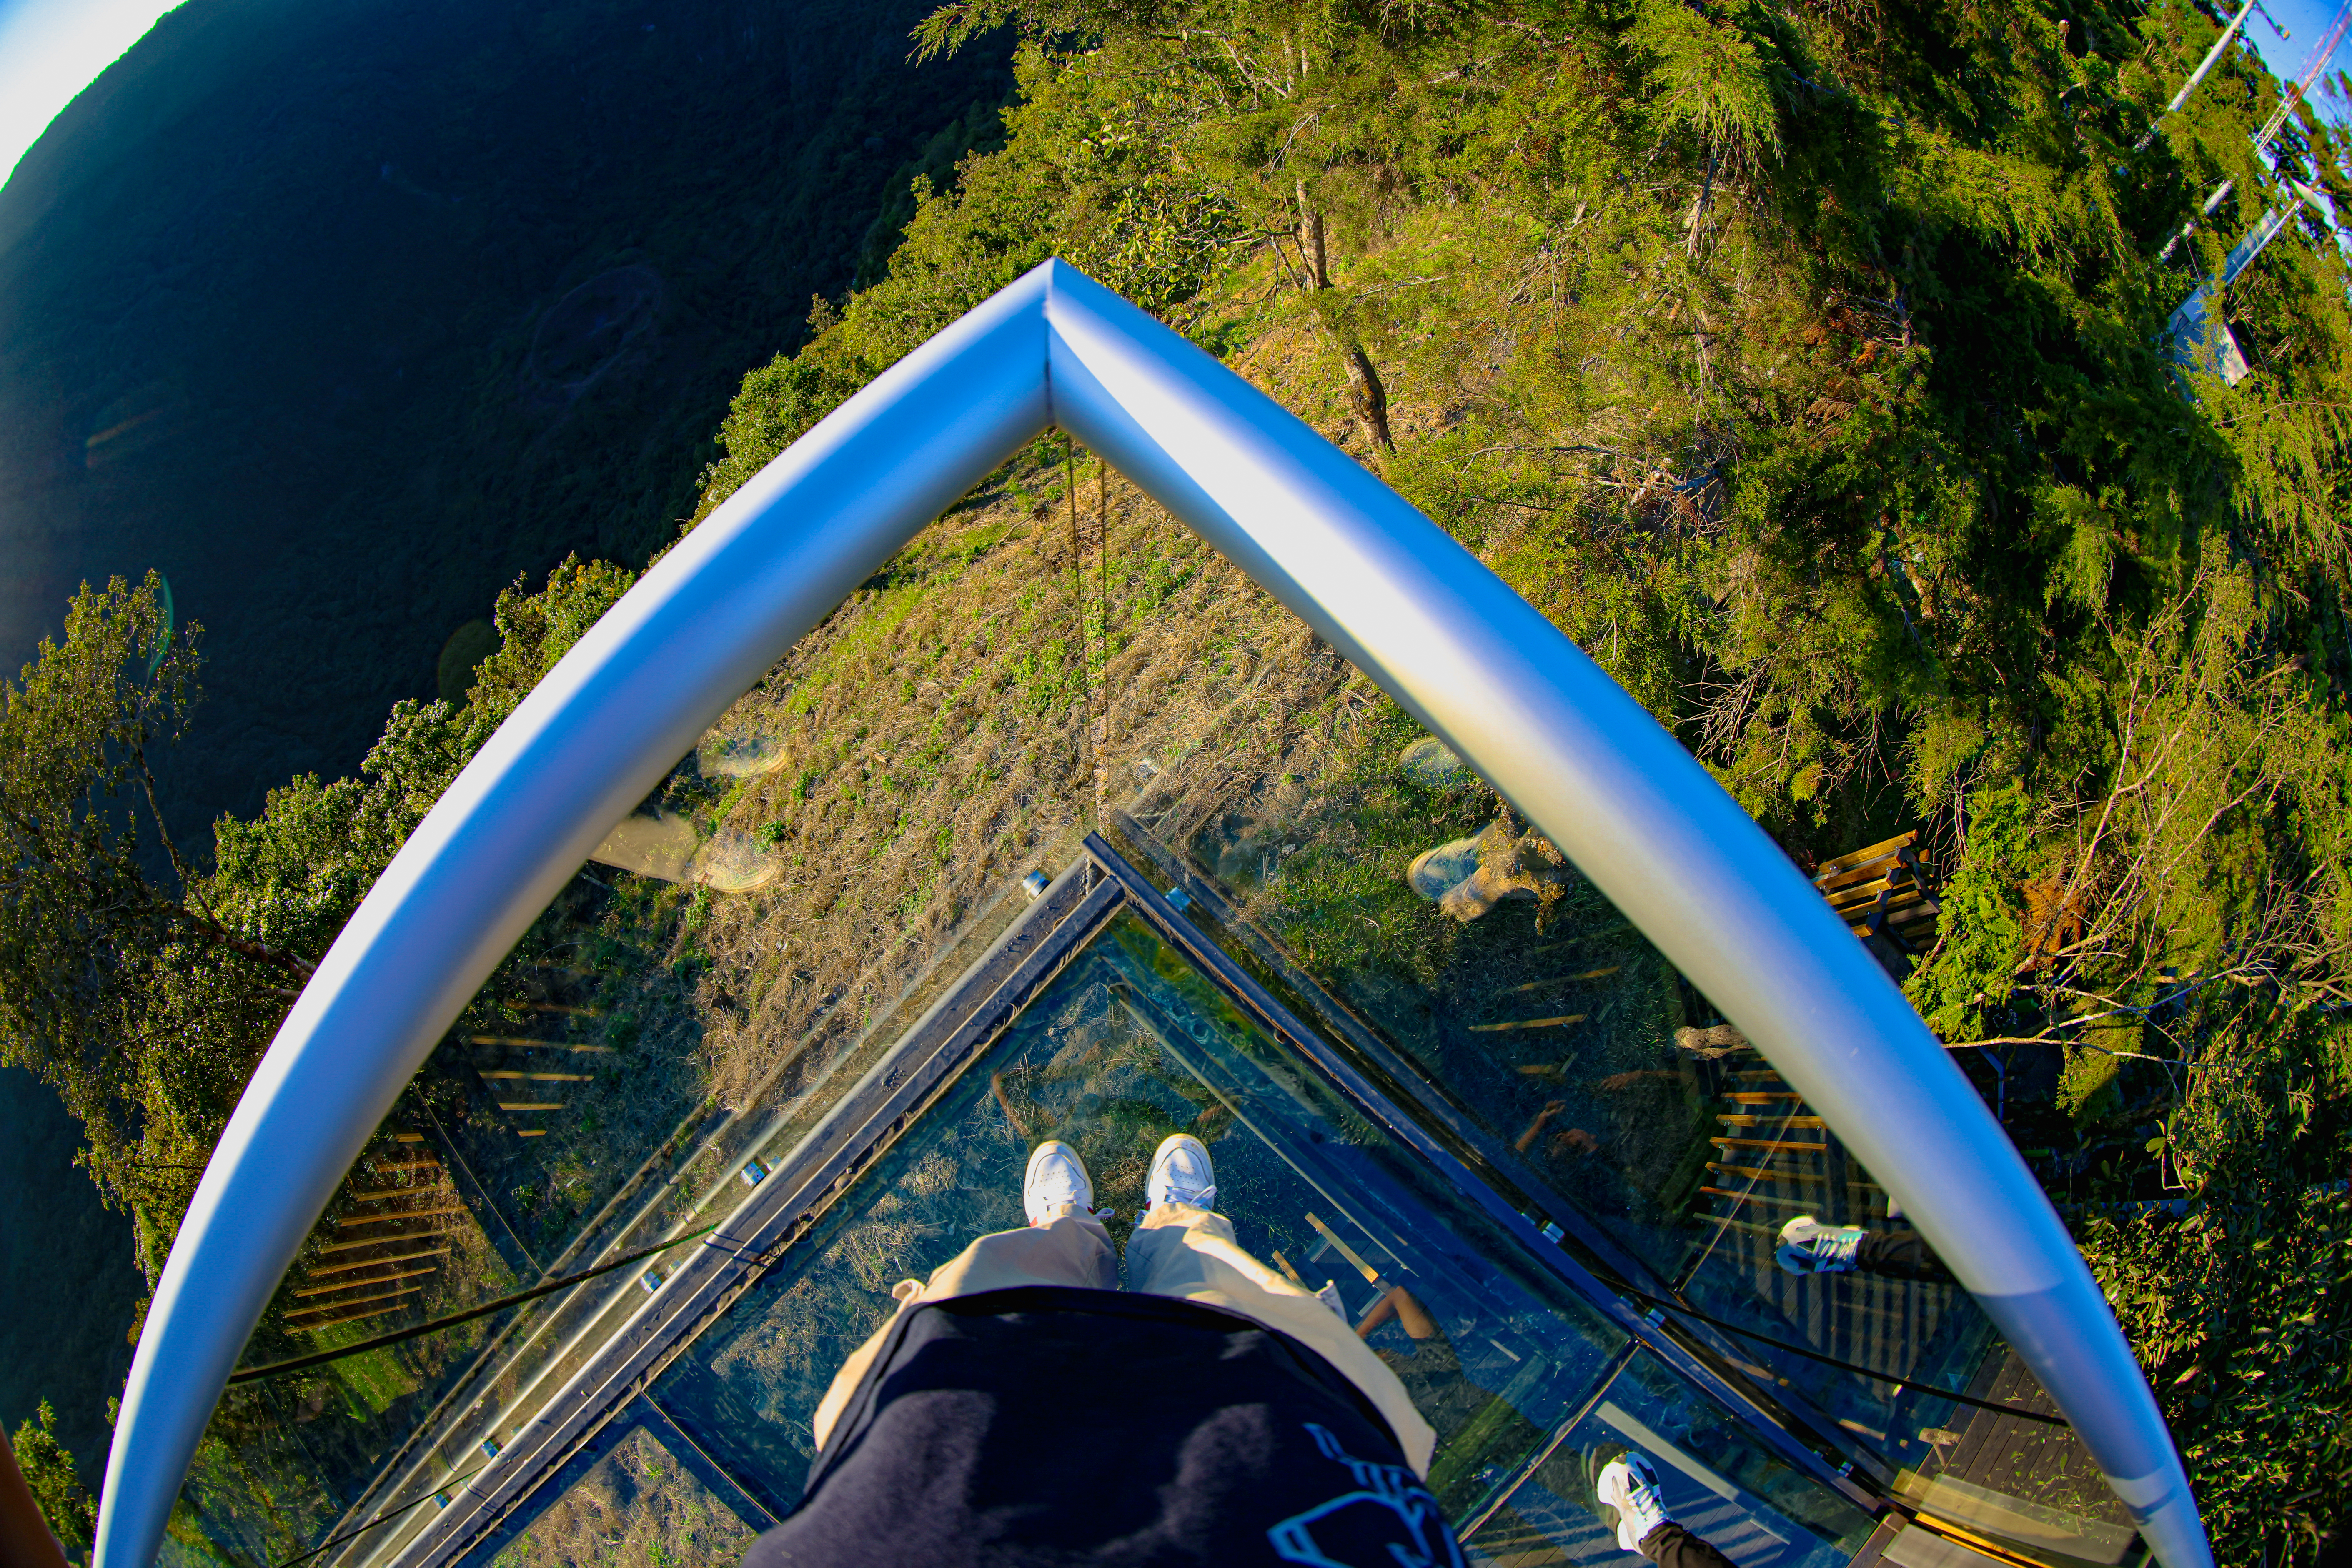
(1881, 891)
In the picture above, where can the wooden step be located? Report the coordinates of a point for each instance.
(440, 1192)
(1728, 1222)
(1854, 858)
(352, 1301)
(374, 1262)
(1803, 1205)
(371, 1280)
(396, 1193)
(526, 1045)
(352, 1222)
(384, 1240)
(1895, 881)
(360, 1317)
(1797, 1178)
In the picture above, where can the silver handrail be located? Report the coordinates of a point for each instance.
(1388, 590)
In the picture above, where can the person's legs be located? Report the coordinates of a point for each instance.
(1902, 1254)
(1809, 1246)
(1672, 1546)
(1181, 1247)
(1063, 1244)
(1632, 1503)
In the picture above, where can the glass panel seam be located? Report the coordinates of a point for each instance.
(1748, 1404)
(907, 1080)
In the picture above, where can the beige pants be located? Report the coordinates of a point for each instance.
(1176, 1250)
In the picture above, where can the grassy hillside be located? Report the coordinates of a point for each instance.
(300, 306)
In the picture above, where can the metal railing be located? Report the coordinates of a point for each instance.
(1384, 586)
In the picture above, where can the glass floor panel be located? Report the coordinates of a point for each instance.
(1383, 891)
(638, 1500)
(1589, 1074)
(1131, 1043)
(1526, 1374)
(710, 988)
(1556, 1010)
(561, 1124)
(1719, 1484)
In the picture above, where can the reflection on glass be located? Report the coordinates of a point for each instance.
(852, 825)
(836, 852)
(533, 1139)
(1397, 878)
(1129, 1044)
(576, 1111)
(1719, 1484)
(1380, 880)
(658, 844)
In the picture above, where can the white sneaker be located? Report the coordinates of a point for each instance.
(1180, 1174)
(1056, 1182)
(1628, 1491)
(1809, 1246)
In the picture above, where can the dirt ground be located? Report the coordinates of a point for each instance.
(638, 1506)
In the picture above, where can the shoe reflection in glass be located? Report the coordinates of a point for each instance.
(1633, 1505)
(1214, 1407)
(1809, 1246)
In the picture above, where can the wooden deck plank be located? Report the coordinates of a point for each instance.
(1853, 858)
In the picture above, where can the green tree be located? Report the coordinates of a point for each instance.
(55, 1484)
(120, 983)
(142, 987)
(1810, 366)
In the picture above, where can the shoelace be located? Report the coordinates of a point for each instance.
(1836, 1248)
(1830, 1250)
(1646, 1500)
(1200, 1199)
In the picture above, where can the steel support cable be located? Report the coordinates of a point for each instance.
(1665, 1306)
(320, 1358)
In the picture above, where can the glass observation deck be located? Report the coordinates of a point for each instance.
(1035, 815)
(1436, 1068)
